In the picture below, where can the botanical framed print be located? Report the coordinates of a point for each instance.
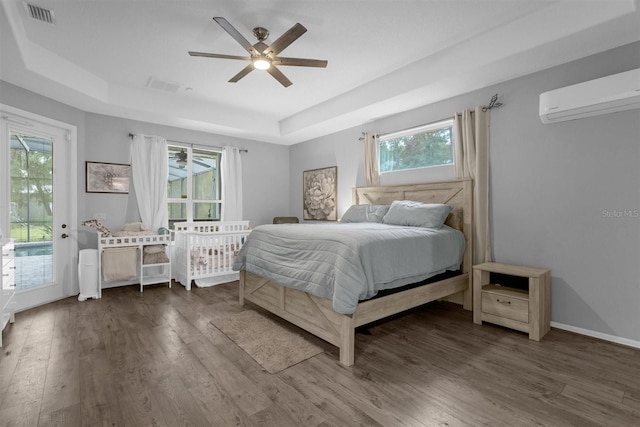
(320, 192)
(108, 177)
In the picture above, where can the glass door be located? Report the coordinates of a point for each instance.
(39, 209)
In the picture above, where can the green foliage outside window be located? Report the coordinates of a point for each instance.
(432, 148)
(31, 185)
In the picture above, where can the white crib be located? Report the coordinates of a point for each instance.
(207, 250)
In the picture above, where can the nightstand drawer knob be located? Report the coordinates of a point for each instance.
(503, 302)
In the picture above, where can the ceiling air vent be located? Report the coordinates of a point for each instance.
(39, 13)
(154, 83)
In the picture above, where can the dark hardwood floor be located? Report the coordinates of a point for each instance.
(156, 359)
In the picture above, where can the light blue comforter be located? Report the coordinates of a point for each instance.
(349, 262)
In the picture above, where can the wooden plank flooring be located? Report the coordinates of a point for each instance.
(156, 359)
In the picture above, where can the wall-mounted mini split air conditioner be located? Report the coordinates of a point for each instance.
(609, 94)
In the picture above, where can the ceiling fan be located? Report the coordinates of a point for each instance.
(263, 56)
(181, 158)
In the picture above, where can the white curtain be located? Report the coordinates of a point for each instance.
(231, 184)
(471, 138)
(149, 170)
(371, 169)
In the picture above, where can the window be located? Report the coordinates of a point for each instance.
(194, 187)
(421, 147)
(31, 187)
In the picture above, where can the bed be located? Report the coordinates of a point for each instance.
(335, 323)
(205, 251)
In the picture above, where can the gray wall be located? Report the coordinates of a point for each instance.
(555, 190)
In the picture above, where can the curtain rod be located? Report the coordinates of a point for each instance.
(406, 130)
(492, 104)
(242, 150)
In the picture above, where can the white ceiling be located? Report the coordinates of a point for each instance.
(384, 57)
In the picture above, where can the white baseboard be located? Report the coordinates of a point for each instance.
(594, 334)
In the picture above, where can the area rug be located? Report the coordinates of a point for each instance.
(272, 344)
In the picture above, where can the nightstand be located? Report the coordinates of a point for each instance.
(525, 309)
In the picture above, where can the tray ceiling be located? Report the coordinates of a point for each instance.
(129, 58)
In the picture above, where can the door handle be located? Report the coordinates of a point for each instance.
(64, 235)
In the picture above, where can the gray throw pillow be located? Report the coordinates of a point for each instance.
(416, 214)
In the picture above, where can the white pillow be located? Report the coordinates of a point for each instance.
(416, 214)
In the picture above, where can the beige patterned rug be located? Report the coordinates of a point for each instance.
(274, 344)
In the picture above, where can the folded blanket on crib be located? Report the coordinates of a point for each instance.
(119, 264)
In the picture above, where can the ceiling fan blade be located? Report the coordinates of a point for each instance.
(236, 35)
(285, 40)
(301, 62)
(277, 74)
(216, 55)
(246, 70)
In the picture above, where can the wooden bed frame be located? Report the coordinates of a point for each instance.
(316, 315)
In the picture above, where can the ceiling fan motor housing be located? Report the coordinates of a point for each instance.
(261, 33)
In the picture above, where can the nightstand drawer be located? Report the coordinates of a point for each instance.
(505, 306)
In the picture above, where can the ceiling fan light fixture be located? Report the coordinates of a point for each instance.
(261, 63)
(182, 163)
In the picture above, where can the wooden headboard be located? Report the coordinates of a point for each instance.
(458, 194)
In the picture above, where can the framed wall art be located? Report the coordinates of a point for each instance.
(320, 193)
(108, 177)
